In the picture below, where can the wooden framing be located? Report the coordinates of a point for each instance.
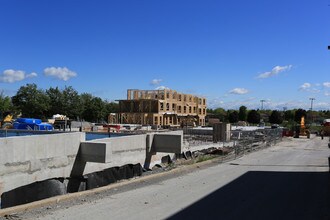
(162, 107)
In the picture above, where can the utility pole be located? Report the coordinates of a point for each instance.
(262, 103)
(312, 99)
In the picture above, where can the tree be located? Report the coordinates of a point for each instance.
(72, 106)
(110, 107)
(221, 114)
(299, 114)
(94, 108)
(31, 101)
(242, 114)
(289, 115)
(5, 104)
(56, 101)
(253, 117)
(233, 117)
(275, 117)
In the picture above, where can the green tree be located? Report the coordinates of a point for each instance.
(94, 108)
(111, 107)
(233, 117)
(99, 112)
(72, 106)
(31, 101)
(242, 113)
(275, 117)
(253, 117)
(5, 104)
(289, 115)
(56, 101)
(221, 114)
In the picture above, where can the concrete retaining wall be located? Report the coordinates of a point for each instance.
(27, 159)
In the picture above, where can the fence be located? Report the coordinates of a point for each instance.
(248, 141)
(243, 140)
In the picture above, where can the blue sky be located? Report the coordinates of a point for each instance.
(233, 52)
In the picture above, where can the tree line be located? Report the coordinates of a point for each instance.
(285, 117)
(33, 102)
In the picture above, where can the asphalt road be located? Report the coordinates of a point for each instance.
(286, 181)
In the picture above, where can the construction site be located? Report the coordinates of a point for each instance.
(161, 108)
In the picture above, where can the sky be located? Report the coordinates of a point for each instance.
(232, 52)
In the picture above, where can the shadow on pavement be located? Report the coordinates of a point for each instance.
(266, 195)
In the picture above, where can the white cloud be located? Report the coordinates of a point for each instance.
(305, 86)
(326, 84)
(238, 91)
(161, 88)
(11, 76)
(155, 82)
(60, 73)
(31, 75)
(276, 70)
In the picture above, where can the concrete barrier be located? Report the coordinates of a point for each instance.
(27, 159)
(168, 143)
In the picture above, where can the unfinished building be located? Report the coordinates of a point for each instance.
(160, 107)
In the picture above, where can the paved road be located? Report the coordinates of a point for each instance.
(286, 181)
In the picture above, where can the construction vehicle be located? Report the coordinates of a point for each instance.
(326, 127)
(7, 122)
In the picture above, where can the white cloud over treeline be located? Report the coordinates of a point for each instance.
(316, 87)
(11, 76)
(61, 73)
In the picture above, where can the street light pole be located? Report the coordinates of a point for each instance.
(262, 103)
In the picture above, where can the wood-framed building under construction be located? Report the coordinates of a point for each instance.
(161, 107)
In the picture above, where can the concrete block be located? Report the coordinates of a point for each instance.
(167, 143)
(95, 152)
